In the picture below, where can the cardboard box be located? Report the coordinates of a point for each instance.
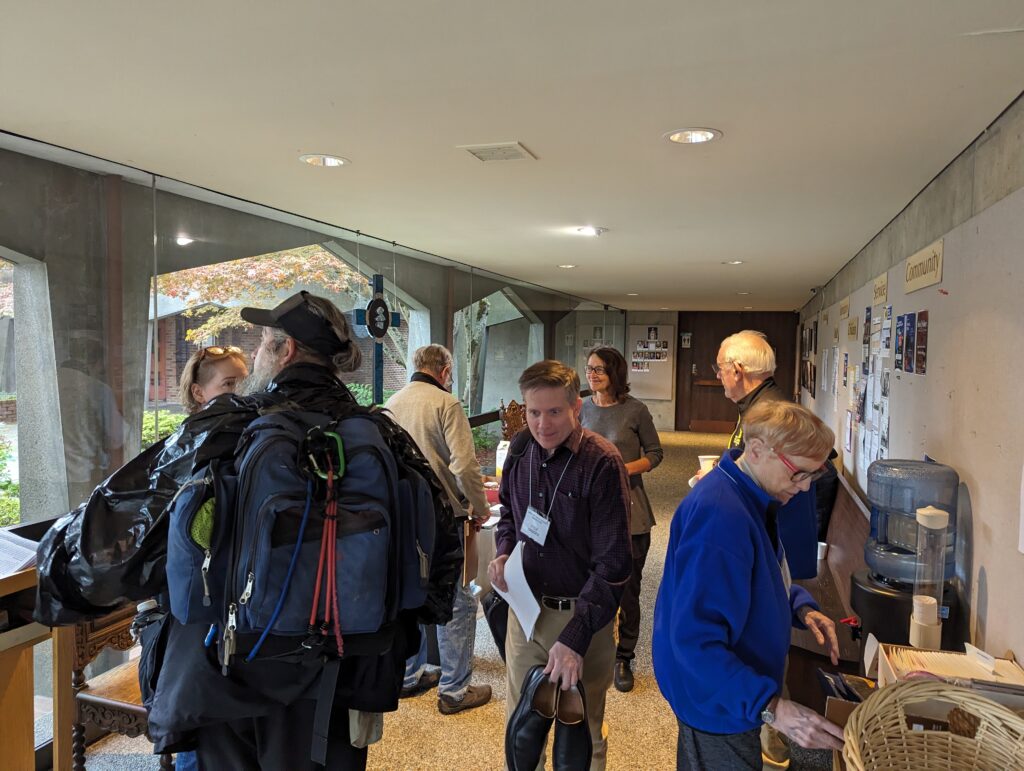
(1000, 687)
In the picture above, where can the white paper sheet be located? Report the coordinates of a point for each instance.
(519, 595)
(16, 553)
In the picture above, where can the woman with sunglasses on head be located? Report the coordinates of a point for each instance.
(726, 603)
(210, 372)
(626, 422)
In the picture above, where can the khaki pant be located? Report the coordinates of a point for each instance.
(598, 665)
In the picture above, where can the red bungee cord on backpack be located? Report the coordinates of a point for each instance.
(328, 558)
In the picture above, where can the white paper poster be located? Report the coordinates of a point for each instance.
(650, 351)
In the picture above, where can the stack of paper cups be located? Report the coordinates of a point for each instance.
(926, 610)
(925, 629)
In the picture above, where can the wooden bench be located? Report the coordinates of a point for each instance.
(848, 531)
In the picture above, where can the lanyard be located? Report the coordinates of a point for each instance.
(551, 503)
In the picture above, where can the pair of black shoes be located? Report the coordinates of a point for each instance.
(541, 704)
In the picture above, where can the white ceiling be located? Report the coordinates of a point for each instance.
(834, 116)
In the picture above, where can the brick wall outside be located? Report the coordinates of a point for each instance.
(9, 411)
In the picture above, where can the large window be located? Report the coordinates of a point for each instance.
(110, 279)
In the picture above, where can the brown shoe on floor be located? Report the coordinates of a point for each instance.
(428, 680)
(475, 696)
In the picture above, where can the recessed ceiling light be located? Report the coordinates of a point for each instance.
(748, 307)
(664, 309)
(692, 136)
(183, 240)
(732, 262)
(742, 293)
(567, 267)
(590, 230)
(632, 294)
(325, 161)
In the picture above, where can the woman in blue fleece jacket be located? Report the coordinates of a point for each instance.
(726, 603)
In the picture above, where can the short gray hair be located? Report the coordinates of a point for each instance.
(432, 358)
(346, 361)
(751, 349)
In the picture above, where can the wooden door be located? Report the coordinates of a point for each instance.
(700, 402)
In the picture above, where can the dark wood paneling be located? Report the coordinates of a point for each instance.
(700, 401)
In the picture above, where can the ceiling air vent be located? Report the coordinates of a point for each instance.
(502, 151)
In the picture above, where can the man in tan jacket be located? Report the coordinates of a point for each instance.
(436, 420)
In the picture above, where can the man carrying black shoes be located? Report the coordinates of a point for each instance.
(566, 500)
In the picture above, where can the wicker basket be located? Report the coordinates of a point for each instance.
(983, 734)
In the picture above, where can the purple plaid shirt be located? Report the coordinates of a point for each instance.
(587, 553)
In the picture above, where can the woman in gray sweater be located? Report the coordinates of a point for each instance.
(627, 423)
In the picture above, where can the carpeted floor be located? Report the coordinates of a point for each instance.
(641, 726)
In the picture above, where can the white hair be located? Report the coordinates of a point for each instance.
(751, 349)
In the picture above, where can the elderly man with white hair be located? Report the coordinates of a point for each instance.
(746, 367)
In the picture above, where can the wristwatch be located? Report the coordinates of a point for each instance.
(767, 715)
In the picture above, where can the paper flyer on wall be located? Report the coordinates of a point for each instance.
(848, 439)
(909, 341)
(921, 354)
(846, 368)
(835, 377)
(901, 321)
(873, 445)
(884, 427)
(866, 341)
(887, 333)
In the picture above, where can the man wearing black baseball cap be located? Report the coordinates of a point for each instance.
(303, 328)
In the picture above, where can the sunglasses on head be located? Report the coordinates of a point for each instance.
(219, 350)
(215, 352)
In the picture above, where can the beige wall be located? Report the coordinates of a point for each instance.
(966, 411)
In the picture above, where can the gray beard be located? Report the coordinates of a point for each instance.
(258, 379)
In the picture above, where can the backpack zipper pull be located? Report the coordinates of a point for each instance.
(229, 639)
(206, 585)
(247, 592)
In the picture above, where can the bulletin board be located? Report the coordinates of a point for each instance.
(650, 353)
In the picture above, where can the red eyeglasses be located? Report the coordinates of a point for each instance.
(799, 475)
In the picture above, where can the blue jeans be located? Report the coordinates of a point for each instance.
(455, 643)
(186, 761)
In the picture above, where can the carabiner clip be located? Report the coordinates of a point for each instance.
(340, 470)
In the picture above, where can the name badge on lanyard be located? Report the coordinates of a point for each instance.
(535, 523)
(535, 526)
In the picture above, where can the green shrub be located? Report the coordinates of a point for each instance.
(484, 439)
(10, 510)
(10, 502)
(364, 393)
(169, 422)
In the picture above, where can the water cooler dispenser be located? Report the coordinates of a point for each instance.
(907, 574)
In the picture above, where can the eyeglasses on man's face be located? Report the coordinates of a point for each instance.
(719, 367)
(800, 475)
(596, 370)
